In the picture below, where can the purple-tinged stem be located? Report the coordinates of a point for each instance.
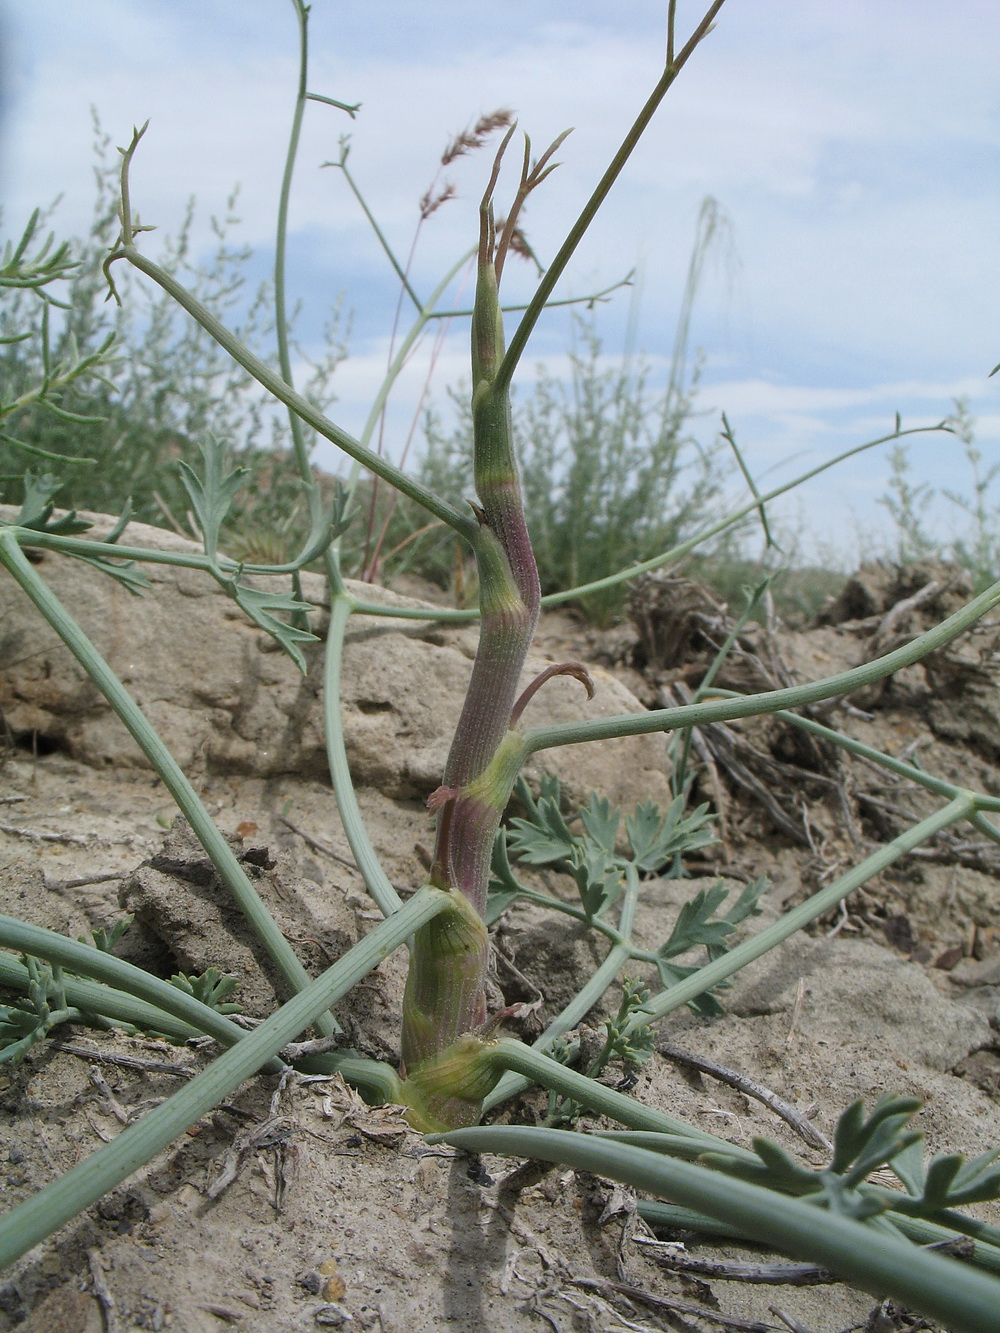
(446, 989)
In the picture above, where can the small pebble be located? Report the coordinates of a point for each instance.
(331, 1316)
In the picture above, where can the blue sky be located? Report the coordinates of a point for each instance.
(854, 147)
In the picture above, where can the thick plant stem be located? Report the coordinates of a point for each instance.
(509, 597)
(446, 989)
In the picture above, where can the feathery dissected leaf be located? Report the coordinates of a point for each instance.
(212, 494)
(259, 605)
(38, 506)
(697, 925)
(657, 839)
(544, 838)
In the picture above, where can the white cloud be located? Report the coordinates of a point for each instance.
(856, 148)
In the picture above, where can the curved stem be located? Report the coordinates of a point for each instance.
(576, 233)
(376, 880)
(734, 516)
(92, 997)
(277, 387)
(380, 235)
(536, 1067)
(33, 1220)
(769, 701)
(446, 614)
(898, 766)
(582, 1003)
(712, 973)
(163, 763)
(963, 1299)
(85, 961)
(85, 548)
(402, 355)
(281, 239)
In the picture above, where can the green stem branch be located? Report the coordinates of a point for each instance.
(721, 968)
(33, 1220)
(376, 880)
(963, 1299)
(769, 701)
(579, 229)
(277, 387)
(163, 763)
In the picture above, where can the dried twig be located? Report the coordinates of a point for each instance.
(794, 1118)
(114, 1105)
(318, 846)
(77, 881)
(274, 1133)
(101, 1292)
(896, 613)
(733, 1270)
(125, 1061)
(793, 1324)
(39, 835)
(604, 1287)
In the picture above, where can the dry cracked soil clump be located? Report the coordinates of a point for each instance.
(296, 1207)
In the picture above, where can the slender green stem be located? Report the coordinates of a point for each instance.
(536, 1067)
(964, 1299)
(86, 549)
(573, 1014)
(376, 880)
(281, 240)
(679, 776)
(310, 414)
(352, 108)
(588, 300)
(712, 973)
(394, 370)
(85, 961)
(557, 905)
(406, 347)
(666, 557)
(730, 438)
(331, 562)
(769, 701)
(916, 1229)
(898, 766)
(675, 552)
(379, 1081)
(379, 233)
(576, 233)
(445, 614)
(734, 516)
(925, 1231)
(216, 847)
(33, 1220)
(983, 824)
(582, 1003)
(665, 1134)
(93, 998)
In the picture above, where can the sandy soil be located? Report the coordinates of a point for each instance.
(336, 1215)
